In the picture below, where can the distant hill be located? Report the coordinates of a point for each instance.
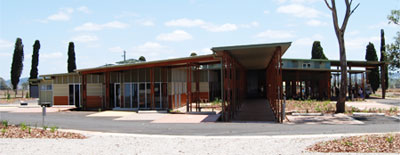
(21, 80)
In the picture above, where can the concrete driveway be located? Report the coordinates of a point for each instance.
(90, 122)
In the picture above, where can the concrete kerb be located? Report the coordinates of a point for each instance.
(89, 133)
(368, 114)
(307, 114)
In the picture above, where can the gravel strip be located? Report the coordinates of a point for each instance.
(103, 143)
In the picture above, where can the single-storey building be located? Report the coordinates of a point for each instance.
(231, 73)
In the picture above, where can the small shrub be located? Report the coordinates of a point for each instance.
(217, 102)
(23, 126)
(53, 128)
(8, 96)
(45, 127)
(390, 139)
(29, 130)
(26, 95)
(5, 123)
(393, 110)
(347, 143)
(3, 130)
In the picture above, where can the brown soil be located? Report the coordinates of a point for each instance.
(13, 131)
(387, 143)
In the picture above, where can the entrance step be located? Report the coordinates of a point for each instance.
(255, 110)
(152, 111)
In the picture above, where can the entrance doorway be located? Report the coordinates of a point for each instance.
(256, 84)
(74, 95)
(115, 95)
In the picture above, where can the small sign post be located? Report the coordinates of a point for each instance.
(43, 113)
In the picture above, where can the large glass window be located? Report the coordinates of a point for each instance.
(127, 96)
(157, 95)
(135, 95)
(142, 95)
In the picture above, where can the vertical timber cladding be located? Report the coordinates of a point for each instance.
(274, 84)
(232, 95)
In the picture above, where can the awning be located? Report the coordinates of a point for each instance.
(255, 56)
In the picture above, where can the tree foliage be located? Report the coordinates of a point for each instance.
(383, 58)
(17, 63)
(394, 17)
(373, 75)
(193, 54)
(340, 31)
(71, 57)
(393, 49)
(317, 52)
(35, 60)
(142, 58)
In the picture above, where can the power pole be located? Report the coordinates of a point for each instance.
(124, 55)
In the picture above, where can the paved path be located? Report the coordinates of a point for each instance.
(82, 121)
(375, 103)
(255, 110)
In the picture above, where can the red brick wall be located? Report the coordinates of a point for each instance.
(94, 101)
(60, 100)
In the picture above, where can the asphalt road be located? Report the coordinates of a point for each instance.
(79, 121)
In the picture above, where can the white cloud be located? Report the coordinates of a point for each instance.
(96, 27)
(203, 51)
(305, 1)
(308, 41)
(116, 49)
(115, 24)
(360, 42)
(63, 15)
(220, 28)
(5, 54)
(145, 22)
(83, 9)
(314, 22)
(4, 44)
(177, 35)
(252, 24)
(275, 34)
(266, 12)
(151, 51)
(85, 38)
(51, 55)
(184, 22)
(126, 15)
(299, 10)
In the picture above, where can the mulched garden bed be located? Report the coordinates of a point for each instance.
(22, 131)
(383, 143)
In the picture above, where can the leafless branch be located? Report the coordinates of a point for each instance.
(327, 4)
(354, 8)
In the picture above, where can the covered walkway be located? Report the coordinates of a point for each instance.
(255, 110)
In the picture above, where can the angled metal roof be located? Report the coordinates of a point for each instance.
(253, 56)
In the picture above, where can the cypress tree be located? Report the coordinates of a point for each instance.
(373, 75)
(71, 57)
(317, 52)
(17, 65)
(383, 58)
(35, 60)
(142, 58)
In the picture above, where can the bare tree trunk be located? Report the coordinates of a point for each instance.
(339, 31)
(340, 104)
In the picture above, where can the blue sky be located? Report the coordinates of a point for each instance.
(160, 29)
